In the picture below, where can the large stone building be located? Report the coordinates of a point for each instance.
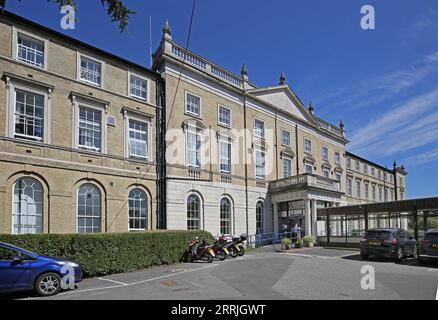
(76, 132)
(108, 145)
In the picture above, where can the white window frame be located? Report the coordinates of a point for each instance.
(261, 150)
(102, 209)
(79, 101)
(348, 163)
(358, 191)
(367, 190)
(81, 55)
(263, 133)
(308, 165)
(373, 192)
(15, 32)
(304, 146)
(136, 218)
(325, 156)
(337, 156)
(287, 159)
(185, 105)
(365, 168)
(324, 171)
(193, 130)
(357, 165)
(229, 142)
(12, 85)
(148, 82)
(219, 107)
(143, 119)
(282, 140)
(349, 186)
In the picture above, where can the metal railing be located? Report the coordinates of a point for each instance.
(273, 239)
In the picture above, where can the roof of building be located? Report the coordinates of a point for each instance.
(368, 161)
(32, 24)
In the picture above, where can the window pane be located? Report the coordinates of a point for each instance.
(29, 115)
(193, 212)
(27, 206)
(138, 209)
(30, 51)
(89, 129)
(90, 71)
(89, 209)
(193, 104)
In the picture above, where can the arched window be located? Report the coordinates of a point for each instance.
(259, 217)
(27, 207)
(138, 209)
(225, 216)
(193, 212)
(89, 209)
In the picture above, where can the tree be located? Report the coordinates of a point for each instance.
(115, 9)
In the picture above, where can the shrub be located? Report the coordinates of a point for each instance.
(109, 253)
(309, 239)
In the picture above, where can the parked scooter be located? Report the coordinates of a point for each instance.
(229, 245)
(220, 249)
(199, 251)
(239, 245)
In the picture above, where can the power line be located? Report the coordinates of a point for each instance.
(173, 103)
(184, 60)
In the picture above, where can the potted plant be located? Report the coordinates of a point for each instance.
(299, 243)
(309, 240)
(286, 243)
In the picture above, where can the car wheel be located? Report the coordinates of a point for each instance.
(421, 260)
(399, 254)
(415, 252)
(48, 284)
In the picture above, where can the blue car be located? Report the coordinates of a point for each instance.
(22, 270)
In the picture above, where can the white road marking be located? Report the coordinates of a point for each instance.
(111, 280)
(436, 297)
(135, 283)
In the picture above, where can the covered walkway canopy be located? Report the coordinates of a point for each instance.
(347, 224)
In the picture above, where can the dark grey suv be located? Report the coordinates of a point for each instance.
(392, 243)
(429, 246)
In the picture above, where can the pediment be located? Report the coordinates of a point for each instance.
(284, 98)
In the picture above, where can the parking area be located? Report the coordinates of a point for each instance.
(311, 273)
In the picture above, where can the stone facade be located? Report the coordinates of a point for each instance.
(206, 130)
(55, 161)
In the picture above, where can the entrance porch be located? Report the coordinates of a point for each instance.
(296, 200)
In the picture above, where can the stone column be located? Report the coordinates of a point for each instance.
(275, 215)
(314, 218)
(307, 218)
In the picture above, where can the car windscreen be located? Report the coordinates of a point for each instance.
(431, 236)
(378, 234)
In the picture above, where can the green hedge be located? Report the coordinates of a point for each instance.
(109, 253)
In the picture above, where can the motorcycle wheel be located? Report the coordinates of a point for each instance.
(233, 252)
(221, 255)
(209, 258)
(242, 251)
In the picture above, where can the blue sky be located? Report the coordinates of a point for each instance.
(383, 83)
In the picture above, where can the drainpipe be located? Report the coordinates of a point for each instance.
(296, 149)
(244, 74)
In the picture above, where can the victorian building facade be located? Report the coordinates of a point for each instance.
(91, 142)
